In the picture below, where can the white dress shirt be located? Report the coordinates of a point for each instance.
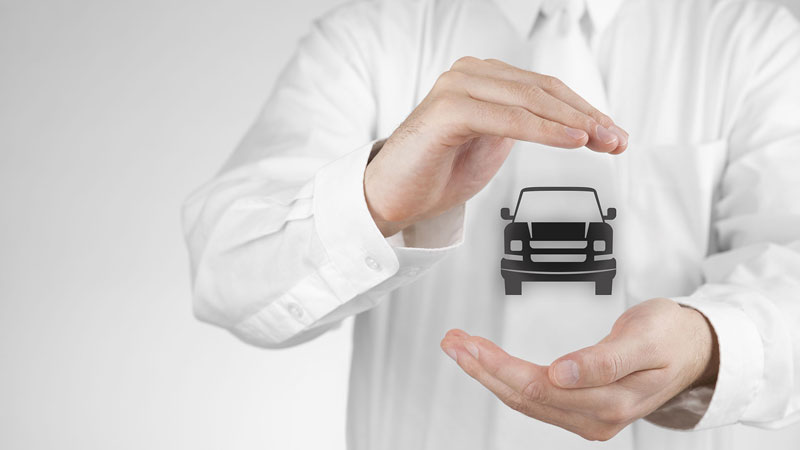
(708, 197)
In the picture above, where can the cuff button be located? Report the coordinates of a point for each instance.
(412, 271)
(295, 310)
(372, 264)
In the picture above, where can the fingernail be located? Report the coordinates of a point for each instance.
(575, 133)
(621, 135)
(451, 353)
(566, 373)
(606, 136)
(471, 348)
(459, 333)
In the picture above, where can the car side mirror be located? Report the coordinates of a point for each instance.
(505, 213)
(611, 213)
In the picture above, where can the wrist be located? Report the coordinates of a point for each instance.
(707, 355)
(387, 227)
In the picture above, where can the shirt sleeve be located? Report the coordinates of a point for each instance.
(281, 242)
(751, 294)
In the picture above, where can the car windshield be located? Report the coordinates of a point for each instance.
(558, 206)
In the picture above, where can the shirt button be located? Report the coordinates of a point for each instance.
(371, 263)
(412, 271)
(295, 310)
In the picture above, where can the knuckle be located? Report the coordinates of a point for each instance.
(551, 82)
(442, 112)
(535, 392)
(464, 61)
(610, 365)
(448, 79)
(617, 414)
(605, 120)
(601, 118)
(544, 128)
(577, 119)
(516, 117)
(532, 93)
(600, 433)
(516, 403)
(585, 123)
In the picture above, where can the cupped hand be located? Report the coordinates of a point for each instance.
(457, 138)
(655, 350)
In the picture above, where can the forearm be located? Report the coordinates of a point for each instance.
(277, 260)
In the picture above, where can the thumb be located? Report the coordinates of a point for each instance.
(603, 363)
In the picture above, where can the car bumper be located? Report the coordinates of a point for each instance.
(561, 271)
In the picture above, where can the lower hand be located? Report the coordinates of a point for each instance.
(655, 350)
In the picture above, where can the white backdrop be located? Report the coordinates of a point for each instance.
(110, 113)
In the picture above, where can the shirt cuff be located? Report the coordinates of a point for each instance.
(428, 241)
(741, 368)
(361, 256)
(361, 261)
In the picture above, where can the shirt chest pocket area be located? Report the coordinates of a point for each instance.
(671, 196)
(687, 171)
(679, 181)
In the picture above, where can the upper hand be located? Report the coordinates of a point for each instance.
(454, 142)
(655, 350)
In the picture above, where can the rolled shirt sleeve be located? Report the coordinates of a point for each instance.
(281, 242)
(360, 264)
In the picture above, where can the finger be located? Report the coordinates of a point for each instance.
(558, 89)
(458, 333)
(539, 102)
(466, 359)
(530, 381)
(604, 363)
(481, 359)
(484, 118)
(466, 116)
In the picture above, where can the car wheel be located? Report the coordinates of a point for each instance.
(513, 287)
(603, 287)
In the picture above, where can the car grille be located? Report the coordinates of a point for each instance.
(545, 258)
(558, 244)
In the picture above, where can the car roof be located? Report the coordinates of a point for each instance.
(558, 188)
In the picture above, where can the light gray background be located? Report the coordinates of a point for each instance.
(110, 114)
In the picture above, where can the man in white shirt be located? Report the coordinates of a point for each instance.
(656, 275)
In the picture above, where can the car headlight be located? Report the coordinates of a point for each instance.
(515, 245)
(599, 246)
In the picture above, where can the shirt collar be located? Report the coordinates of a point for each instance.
(523, 13)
